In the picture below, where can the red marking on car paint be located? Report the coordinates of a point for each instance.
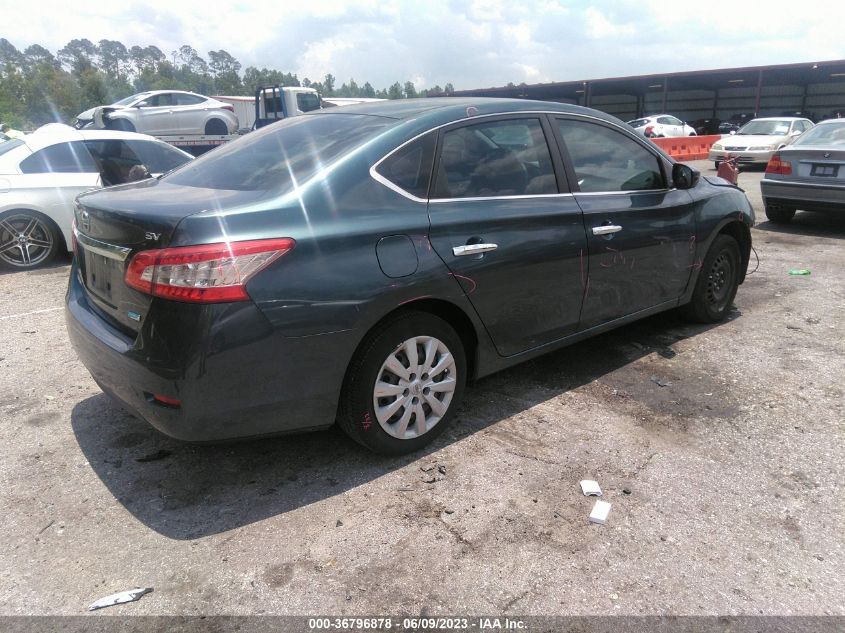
(603, 265)
(587, 288)
(691, 243)
(367, 421)
(633, 259)
(697, 264)
(468, 279)
(581, 263)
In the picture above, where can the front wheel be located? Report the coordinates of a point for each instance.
(27, 239)
(404, 384)
(717, 282)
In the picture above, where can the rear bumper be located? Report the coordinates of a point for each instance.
(235, 376)
(804, 195)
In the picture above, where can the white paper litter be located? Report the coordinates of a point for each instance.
(590, 488)
(130, 595)
(600, 512)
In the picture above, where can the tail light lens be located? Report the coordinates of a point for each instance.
(649, 130)
(778, 166)
(210, 273)
(230, 108)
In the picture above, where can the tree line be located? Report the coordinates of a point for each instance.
(38, 87)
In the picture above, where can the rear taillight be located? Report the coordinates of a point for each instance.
(210, 273)
(649, 130)
(778, 166)
(230, 108)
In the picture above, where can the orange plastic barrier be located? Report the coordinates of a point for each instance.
(687, 147)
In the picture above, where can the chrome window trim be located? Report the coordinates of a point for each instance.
(384, 181)
(620, 193)
(111, 251)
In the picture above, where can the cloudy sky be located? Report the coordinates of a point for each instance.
(472, 44)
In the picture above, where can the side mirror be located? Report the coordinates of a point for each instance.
(684, 176)
(142, 104)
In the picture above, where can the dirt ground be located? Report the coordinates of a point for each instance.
(726, 478)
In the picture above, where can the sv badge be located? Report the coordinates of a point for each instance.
(149, 235)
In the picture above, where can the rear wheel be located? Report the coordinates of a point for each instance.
(404, 384)
(716, 164)
(779, 214)
(717, 282)
(216, 127)
(27, 239)
(121, 124)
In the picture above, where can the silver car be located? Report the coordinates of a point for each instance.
(807, 175)
(164, 113)
(757, 140)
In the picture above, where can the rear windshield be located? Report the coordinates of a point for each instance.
(5, 146)
(638, 122)
(282, 155)
(824, 134)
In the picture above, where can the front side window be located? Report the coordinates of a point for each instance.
(307, 101)
(606, 160)
(499, 158)
(157, 101)
(409, 168)
(66, 158)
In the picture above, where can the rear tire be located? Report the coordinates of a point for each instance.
(121, 125)
(717, 283)
(216, 127)
(778, 214)
(404, 384)
(28, 239)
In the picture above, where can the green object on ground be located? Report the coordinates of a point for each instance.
(799, 271)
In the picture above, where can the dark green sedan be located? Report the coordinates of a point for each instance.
(360, 265)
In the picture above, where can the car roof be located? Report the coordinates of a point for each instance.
(53, 133)
(780, 118)
(446, 108)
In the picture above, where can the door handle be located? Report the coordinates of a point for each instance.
(473, 249)
(606, 229)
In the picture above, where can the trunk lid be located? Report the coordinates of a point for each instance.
(815, 164)
(114, 224)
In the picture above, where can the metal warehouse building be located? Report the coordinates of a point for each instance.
(814, 88)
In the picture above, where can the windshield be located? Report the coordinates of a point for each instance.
(280, 156)
(766, 128)
(129, 100)
(825, 134)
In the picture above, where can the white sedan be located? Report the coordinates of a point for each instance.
(660, 125)
(42, 173)
(163, 113)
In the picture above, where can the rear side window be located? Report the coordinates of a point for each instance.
(280, 156)
(66, 158)
(185, 99)
(307, 101)
(607, 160)
(409, 168)
(494, 159)
(159, 158)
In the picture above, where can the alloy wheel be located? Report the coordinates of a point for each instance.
(25, 240)
(414, 387)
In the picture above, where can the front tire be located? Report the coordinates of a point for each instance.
(404, 384)
(28, 239)
(778, 214)
(717, 282)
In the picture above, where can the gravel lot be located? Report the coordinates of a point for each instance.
(726, 483)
